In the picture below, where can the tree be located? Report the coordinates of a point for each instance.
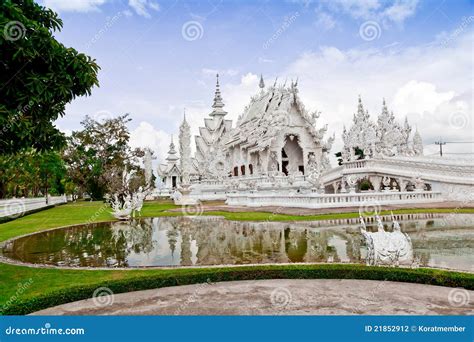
(31, 173)
(38, 77)
(97, 155)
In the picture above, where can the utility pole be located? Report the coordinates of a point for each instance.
(440, 143)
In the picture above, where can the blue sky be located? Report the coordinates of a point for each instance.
(416, 54)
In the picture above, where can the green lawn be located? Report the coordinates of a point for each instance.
(54, 286)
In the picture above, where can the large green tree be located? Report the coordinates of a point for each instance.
(38, 77)
(97, 155)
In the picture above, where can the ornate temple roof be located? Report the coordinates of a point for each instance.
(172, 160)
(268, 113)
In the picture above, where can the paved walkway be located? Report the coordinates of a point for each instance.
(281, 297)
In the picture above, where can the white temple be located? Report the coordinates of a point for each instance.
(276, 155)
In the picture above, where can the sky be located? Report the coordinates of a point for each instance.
(159, 58)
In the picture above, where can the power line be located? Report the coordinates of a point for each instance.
(454, 142)
(459, 153)
(459, 142)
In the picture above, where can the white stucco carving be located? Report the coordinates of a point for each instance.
(387, 248)
(385, 138)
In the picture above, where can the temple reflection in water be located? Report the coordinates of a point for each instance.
(197, 241)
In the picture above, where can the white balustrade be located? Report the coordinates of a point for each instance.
(15, 207)
(332, 200)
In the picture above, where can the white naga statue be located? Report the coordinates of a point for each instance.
(126, 204)
(387, 248)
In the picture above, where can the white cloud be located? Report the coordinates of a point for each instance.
(143, 7)
(401, 10)
(386, 11)
(325, 21)
(356, 8)
(127, 13)
(145, 135)
(420, 97)
(74, 5)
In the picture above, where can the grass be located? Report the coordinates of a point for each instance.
(70, 214)
(50, 286)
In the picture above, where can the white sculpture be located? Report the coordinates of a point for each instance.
(185, 161)
(137, 201)
(419, 184)
(121, 209)
(417, 144)
(126, 204)
(386, 181)
(387, 248)
(148, 160)
(386, 138)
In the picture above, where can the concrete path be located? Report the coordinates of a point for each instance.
(280, 297)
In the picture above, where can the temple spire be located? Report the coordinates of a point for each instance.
(262, 83)
(172, 157)
(218, 105)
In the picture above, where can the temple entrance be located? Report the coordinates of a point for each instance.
(291, 156)
(173, 181)
(284, 167)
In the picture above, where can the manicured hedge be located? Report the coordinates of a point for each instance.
(201, 275)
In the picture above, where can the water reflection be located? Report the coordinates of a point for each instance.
(438, 241)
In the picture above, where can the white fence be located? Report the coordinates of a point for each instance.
(16, 207)
(314, 201)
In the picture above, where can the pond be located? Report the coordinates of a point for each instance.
(438, 240)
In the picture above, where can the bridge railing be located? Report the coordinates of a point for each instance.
(332, 200)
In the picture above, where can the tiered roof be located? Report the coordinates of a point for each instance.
(268, 114)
